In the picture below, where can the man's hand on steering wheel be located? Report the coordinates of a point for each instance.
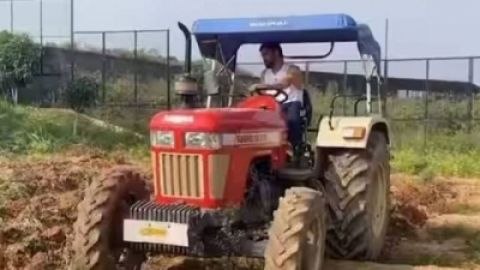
(260, 89)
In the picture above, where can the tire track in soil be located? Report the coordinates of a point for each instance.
(38, 201)
(254, 264)
(444, 226)
(424, 231)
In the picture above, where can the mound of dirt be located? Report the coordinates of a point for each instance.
(38, 200)
(435, 222)
(38, 207)
(414, 203)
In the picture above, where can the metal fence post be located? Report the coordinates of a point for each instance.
(385, 89)
(72, 40)
(471, 93)
(169, 102)
(427, 92)
(135, 60)
(11, 16)
(41, 36)
(385, 86)
(41, 23)
(104, 66)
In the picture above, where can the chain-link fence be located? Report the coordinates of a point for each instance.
(134, 70)
(49, 24)
(133, 67)
(426, 100)
(424, 97)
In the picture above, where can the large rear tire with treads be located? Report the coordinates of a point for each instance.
(357, 189)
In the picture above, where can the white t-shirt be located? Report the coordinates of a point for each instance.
(270, 77)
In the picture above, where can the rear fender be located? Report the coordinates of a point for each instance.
(331, 134)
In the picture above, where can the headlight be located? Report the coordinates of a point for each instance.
(353, 132)
(162, 138)
(202, 140)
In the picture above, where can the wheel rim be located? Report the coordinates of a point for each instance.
(313, 247)
(379, 193)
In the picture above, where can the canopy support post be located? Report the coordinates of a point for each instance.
(232, 89)
(371, 71)
(209, 97)
(368, 103)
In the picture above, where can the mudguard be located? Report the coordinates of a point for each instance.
(332, 132)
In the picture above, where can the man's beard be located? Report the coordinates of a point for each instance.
(268, 64)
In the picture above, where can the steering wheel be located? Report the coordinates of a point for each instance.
(278, 92)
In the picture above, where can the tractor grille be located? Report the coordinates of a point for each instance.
(181, 175)
(148, 210)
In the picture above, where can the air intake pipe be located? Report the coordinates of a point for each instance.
(186, 86)
(188, 47)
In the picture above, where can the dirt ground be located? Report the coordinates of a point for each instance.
(435, 225)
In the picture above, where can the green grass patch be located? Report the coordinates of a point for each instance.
(443, 154)
(437, 162)
(28, 130)
(447, 147)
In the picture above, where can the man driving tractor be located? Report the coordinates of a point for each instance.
(279, 75)
(222, 186)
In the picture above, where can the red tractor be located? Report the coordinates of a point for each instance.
(222, 184)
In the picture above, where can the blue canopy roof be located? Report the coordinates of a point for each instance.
(225, 36)
(232, 33)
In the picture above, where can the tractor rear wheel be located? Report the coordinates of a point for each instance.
(357, 188)
(297, 233)
(98, 243)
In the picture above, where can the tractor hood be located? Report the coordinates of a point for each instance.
(218, 120)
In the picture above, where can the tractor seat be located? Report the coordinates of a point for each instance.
(294, 174)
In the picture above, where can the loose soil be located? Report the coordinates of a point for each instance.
(433, 223)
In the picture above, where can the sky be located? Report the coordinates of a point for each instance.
(418, 28)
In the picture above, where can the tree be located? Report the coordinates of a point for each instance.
(80, 94)
(18, 57)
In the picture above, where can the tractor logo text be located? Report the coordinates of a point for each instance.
(149, 231)
(260, 138)
(251, 138)
(271, 23)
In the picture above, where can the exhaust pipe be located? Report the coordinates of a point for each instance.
(186, 86)
(188, 47)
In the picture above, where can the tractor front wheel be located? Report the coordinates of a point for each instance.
(297, 233)
(98, 243)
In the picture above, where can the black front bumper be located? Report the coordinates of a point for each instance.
(210, 232)
(152, 211)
